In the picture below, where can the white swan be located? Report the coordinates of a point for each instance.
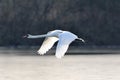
(64, 39)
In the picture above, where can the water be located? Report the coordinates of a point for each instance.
(71, 67)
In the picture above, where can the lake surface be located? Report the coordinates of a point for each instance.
(71, 67)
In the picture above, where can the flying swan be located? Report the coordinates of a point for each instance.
(64, 39)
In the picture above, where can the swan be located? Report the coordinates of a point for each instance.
(64, 39)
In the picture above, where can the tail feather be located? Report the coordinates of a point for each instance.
(81, 40)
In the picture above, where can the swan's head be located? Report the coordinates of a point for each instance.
(27, 36)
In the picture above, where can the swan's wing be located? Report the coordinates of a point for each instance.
(64, 41)
(47, 44)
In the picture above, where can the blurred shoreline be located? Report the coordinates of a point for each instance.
(32, 50)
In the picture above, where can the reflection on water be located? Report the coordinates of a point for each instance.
(71, 67)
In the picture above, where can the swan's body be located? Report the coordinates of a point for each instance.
(64, 39)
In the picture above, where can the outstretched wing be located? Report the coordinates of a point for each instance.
(47, 44)
(64, 41)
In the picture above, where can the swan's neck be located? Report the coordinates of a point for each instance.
(37, 36)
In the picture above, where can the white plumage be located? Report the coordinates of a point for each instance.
(47, 44)
(64, 39)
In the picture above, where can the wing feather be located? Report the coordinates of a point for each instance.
(64, 41)
(47, 44)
